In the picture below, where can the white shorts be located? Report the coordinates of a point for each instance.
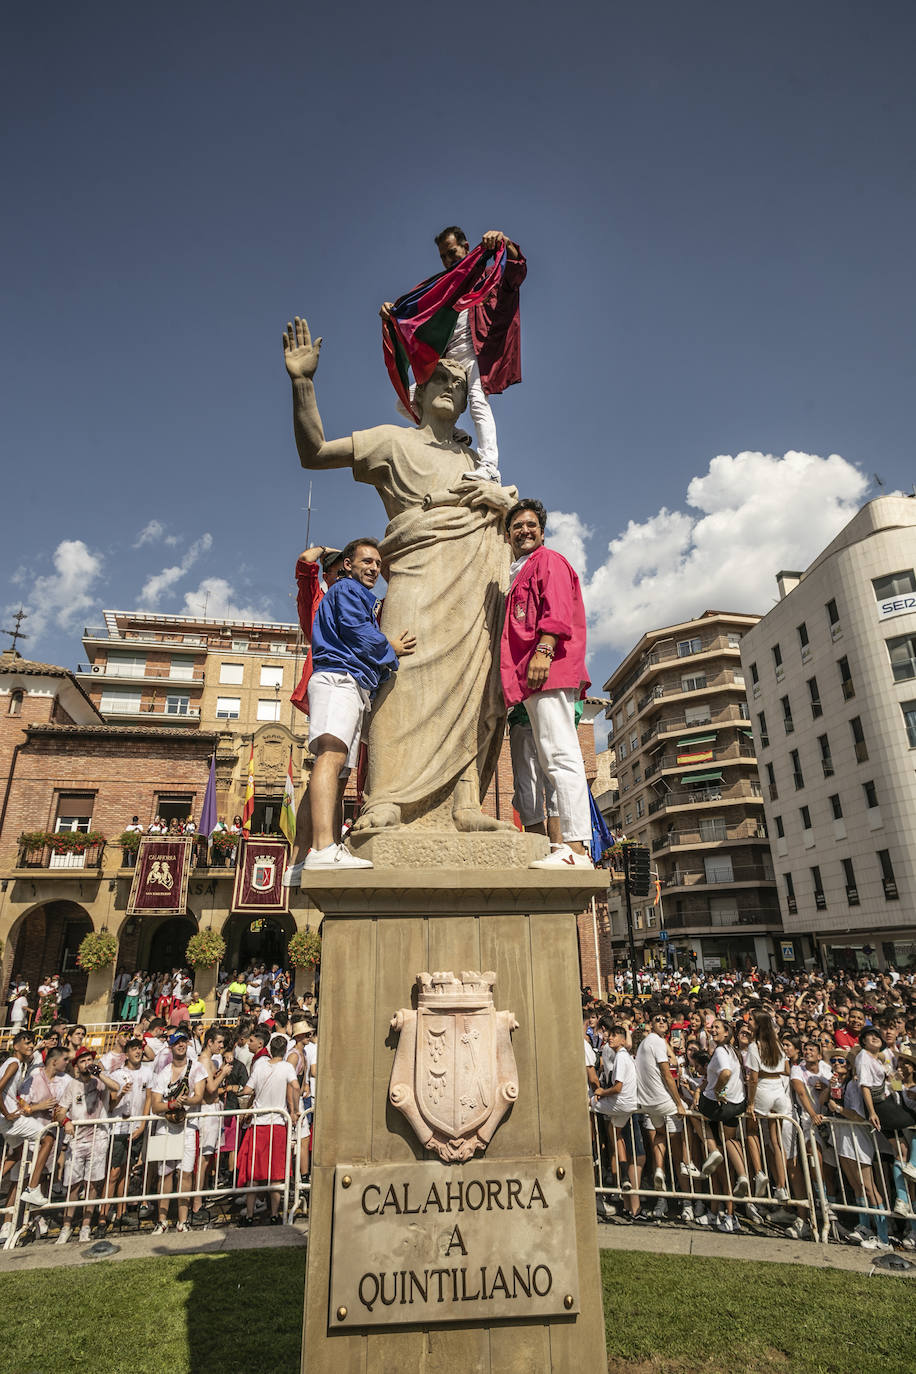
(208, 1126)
(86, 1160)
(663, 1119)
(25, 1128)
(338, 706)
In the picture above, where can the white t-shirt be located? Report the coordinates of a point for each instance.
(14, 1085)
(724, 1058)
(650, 1086)
(753, 1062)
(85, 1101)
(311, 1061)
(624, 1073)
(19, 1010)
(591, 1058)
(243, 1055)
(269, 1083)
(199, 1071)
(871, 1073)
(134, 1100)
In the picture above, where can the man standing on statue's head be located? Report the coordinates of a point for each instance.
(542, 664)
(351, 659)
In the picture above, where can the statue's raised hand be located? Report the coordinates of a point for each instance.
(299, 353)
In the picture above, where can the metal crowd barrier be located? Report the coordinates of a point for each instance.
(159, 1147)
(797, 1174)
(758, 1156)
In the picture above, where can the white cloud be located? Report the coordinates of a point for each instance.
(215, 598)
(155, 586)
(152, 530)
(751, 515)
(567, 534)
(63, 597)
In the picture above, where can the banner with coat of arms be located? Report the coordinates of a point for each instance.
(160, 885)
(259, 870)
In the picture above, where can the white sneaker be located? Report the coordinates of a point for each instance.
(859, 1236)
(660, 1210)
(724, 1222)
(563, 857)
(35, 1197)
(658, 1178)
(909, 1170)
(182, 1226)
(761, 1184)
(702, 1219)
(872, 1243)
(293, 875)
(690, 1171)
(41, 1227)
(902, 1209)
(742, 1185)
(85, 1233)
(781, 1195)
(687, 1212)
(334, 856)
(160, 1228)
(711, 1163)
(753, 1214)
(66, 1231)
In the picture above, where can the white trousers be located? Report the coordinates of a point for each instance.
(534, 793)
(553, 727)
(461, 350)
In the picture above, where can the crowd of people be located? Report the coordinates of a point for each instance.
(230, 1106)
(717, 1095)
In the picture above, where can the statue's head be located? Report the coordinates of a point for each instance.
(445, 395)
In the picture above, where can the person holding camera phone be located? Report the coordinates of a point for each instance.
(169, 1094)
(85, 1100)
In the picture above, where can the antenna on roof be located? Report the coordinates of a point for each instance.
(18, 633)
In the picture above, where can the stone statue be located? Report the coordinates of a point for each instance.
(436, 730)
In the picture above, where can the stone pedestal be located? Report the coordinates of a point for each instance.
(97, 1003)
(381, 928)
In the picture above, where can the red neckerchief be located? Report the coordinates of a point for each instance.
(260, 1055)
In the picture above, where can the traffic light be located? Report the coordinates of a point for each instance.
(638, 877)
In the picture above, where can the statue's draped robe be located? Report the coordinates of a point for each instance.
(447, 582)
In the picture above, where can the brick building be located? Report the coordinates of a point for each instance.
(67, 768)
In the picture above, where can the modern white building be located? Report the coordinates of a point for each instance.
(831, 677)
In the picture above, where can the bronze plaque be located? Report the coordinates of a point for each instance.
(487, 1240)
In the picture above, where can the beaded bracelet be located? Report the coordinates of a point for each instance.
(545, 649)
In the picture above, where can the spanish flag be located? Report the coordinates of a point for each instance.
(248, 808)
(288, 807)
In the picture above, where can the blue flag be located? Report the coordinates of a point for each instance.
(602, 839)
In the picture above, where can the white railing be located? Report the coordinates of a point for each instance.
(198, 1159)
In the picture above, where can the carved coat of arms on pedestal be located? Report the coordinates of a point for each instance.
(454, 1075)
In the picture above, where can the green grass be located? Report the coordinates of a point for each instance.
(169, 1315)
(664, 1315)
(674, 1315)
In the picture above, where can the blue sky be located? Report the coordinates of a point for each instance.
(716, 202)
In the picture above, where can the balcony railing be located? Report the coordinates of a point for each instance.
(47, 856)
(890, 889)
(142, 717)
(742, 916)
(696, 877)
(141, 671)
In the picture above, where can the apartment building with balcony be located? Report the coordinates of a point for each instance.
(688, 787)
(831, 672)
(186, 670)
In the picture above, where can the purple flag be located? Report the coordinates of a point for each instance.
(208, 814)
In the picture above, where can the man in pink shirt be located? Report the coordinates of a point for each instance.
(542, 664)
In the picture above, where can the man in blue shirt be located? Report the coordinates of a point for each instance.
(351, 658)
